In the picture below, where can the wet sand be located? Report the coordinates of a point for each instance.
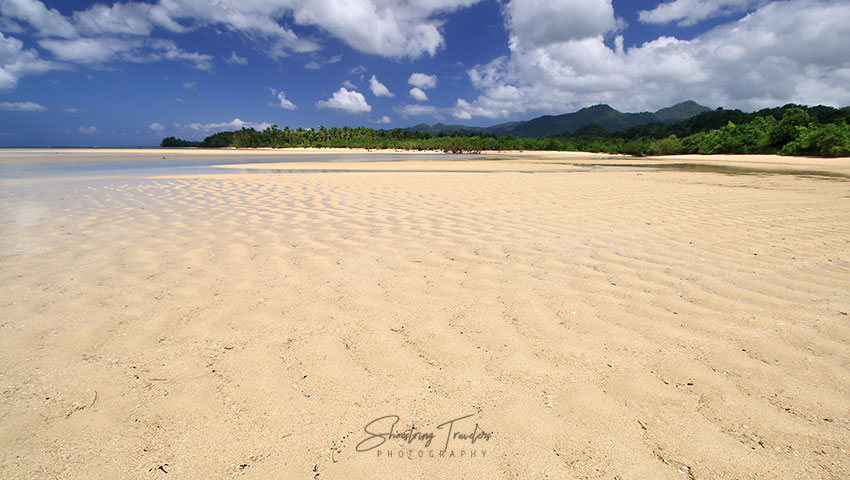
(594, 322)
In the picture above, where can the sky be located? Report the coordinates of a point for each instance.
(82, 73)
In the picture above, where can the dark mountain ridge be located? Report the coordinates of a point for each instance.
(602, 115)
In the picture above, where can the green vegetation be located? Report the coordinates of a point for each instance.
(179, 142)
(789, 130)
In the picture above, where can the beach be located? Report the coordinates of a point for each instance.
(517, 316)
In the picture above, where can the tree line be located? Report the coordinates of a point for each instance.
(788, 130)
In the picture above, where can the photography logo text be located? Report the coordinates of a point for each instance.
(459, 438)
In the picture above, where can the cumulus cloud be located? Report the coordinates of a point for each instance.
(201, 130)
(422, 81)
(102, 34)
(691, 12)
(378, 88)
(544, 22)
(418, 94)
(88, 50)
(10, 26)
(16, 62)
(46, 22)
(390, 28)
(320, 62)
(237, 60)
(257, 19)
(283, 102)
(167, 50)
(235, 124)
(88, 130)
(348, 100)
(127, 31)
(418, 111)
(790, 51)
(383, 120)
(190, 85)
(119, 19)
(22, 106)
(95, 51)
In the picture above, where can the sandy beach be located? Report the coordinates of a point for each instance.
(563, 319)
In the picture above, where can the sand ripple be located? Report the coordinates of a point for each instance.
(600, 324)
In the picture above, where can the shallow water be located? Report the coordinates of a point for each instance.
(388, 170)
(726, 169)
(20, 164)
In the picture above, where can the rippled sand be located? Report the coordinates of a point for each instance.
(606, 323)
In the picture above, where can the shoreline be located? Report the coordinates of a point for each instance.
(413, 159)
(335, 150)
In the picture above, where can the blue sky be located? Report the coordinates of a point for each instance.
(111, 74)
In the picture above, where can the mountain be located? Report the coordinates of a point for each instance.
(680, 111)
(603, 115)
(440, 128)
(597, 116)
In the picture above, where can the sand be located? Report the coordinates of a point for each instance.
(594, 322)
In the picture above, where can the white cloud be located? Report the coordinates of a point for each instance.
(47, 22)
(22, 106)
(378, 88)
(349, 85)
(691, 12)
(283, 102)
(485, 107)
(418, 110)
(422, 80)
(95, 51)
(126, 31)
(10, 26)
(201, 130)
(789, 51)
(88, 50)
(347, 100)
(383, 120)
(119, 19)
(320, 62)
(166, 50)
(236, 59)
(70, 110)
(15, 62)
(235, 124)
(190, 85)
(462, 112)
(258, 19)
(88, 130)
(418, 94)
(544, 22)
(392, 28)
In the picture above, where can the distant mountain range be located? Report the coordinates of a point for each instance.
(589, 118)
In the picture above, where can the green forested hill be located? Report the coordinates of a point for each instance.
(786, 130)
(680, 111)
(603, 115)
